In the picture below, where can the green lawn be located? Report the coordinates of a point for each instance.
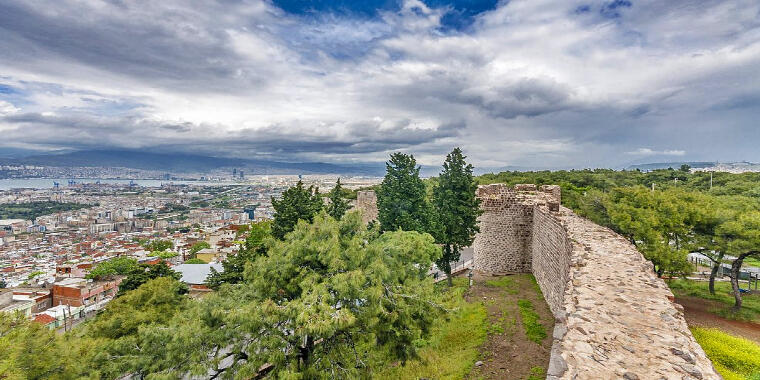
(735, 358)
(750, 303)
(452, 349)
(534, 330)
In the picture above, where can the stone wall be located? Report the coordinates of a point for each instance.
(614, 317)
(551, 250)
(366, 202)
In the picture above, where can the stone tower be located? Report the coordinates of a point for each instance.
(504, 244)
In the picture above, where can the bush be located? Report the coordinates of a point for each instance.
(734, 357)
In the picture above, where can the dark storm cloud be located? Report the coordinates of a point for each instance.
(83, 131)
(515, 83)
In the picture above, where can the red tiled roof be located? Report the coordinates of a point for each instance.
(44, 319)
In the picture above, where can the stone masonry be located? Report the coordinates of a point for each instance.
(614, 318)
(366, 201)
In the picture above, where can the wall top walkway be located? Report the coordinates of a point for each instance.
(620, 321)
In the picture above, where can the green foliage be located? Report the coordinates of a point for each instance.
(537, 373)
(156, 301)
(452, 348)
(656, 222)
(312, 308)
(165, 254)
(153, 305)
(117, 266)
(297, 203)
(234, 266)
(401, 198)
(197, 247)
(146, 272)
(534, 330)
(734, 357)
(456, 209)
(32, 210)
(158, 245)
(338, 203)
(195, 261)
(723, 295)
(29, 350)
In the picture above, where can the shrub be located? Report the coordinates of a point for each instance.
(734, 357)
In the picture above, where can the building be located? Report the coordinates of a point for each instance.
(207, 254)
(9, 303)
(194, 275)
(83, 292)
(42, 298)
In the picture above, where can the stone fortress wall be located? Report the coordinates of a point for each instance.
(366, 201)
(614, 318)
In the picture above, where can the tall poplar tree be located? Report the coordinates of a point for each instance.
(401, 202)
(457, 209)
(338, 204)
(296, 203)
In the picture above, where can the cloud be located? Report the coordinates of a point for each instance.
(650, 152)
(526, 83)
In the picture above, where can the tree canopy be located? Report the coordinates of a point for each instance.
(297, 203)
(456, 209)
(234, 265)
(314, 307)
(110, 268)
(401, 198)
(338, 203)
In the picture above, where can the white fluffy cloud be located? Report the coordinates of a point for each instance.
(531, 83)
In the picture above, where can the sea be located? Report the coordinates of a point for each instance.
(47, 183)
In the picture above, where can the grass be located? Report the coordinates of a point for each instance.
(534, 330)
(452, 348)
(503, 282)
(537, 373)
(735, 358)
(752, 262)
(750, 303)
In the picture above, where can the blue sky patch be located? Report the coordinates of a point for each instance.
(461, 13)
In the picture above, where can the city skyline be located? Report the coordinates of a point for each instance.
(527, 84)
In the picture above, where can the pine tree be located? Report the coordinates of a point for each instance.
(297, 203)
(457, 209)
(338, 204)
(401, 199)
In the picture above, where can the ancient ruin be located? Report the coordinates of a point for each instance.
(367, 202)
(614, 318)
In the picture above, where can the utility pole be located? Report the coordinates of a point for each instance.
(711, 180)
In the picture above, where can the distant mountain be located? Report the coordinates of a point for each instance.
(674, 165)
(187, 163)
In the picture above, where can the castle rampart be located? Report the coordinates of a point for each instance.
(614, 318)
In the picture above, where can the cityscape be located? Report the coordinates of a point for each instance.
(379, 189)
(51, 253)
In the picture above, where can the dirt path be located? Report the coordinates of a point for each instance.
(697, 313)
(508, 353)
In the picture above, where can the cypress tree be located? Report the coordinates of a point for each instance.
(401, 202)
(296, 203)
(457, 209)
(338, 204)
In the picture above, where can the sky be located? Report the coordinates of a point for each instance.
(524, 83)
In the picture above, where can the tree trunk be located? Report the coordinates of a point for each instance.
(713, 273)
(447, 265)
(735, 268)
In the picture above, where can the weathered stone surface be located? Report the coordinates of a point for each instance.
(615, 318)
(366, 202)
